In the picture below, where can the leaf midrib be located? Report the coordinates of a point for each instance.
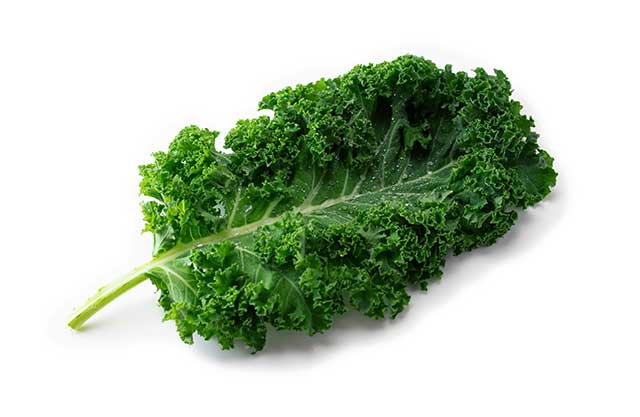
(109, 292)
(182, 249)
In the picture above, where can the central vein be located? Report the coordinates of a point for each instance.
(179, 250)
(134, 277)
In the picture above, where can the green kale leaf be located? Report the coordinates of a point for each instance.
(355, 188)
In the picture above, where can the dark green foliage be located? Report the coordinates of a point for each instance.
(355, 188)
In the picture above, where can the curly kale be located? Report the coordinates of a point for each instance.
(355, 188)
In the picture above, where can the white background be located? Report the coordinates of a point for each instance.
(546, 322)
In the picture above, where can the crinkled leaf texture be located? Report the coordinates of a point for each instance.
(356, 187)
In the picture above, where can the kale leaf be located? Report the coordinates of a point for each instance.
(355, 188)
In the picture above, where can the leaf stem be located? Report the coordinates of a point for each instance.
(108, 293)
(116, 288)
